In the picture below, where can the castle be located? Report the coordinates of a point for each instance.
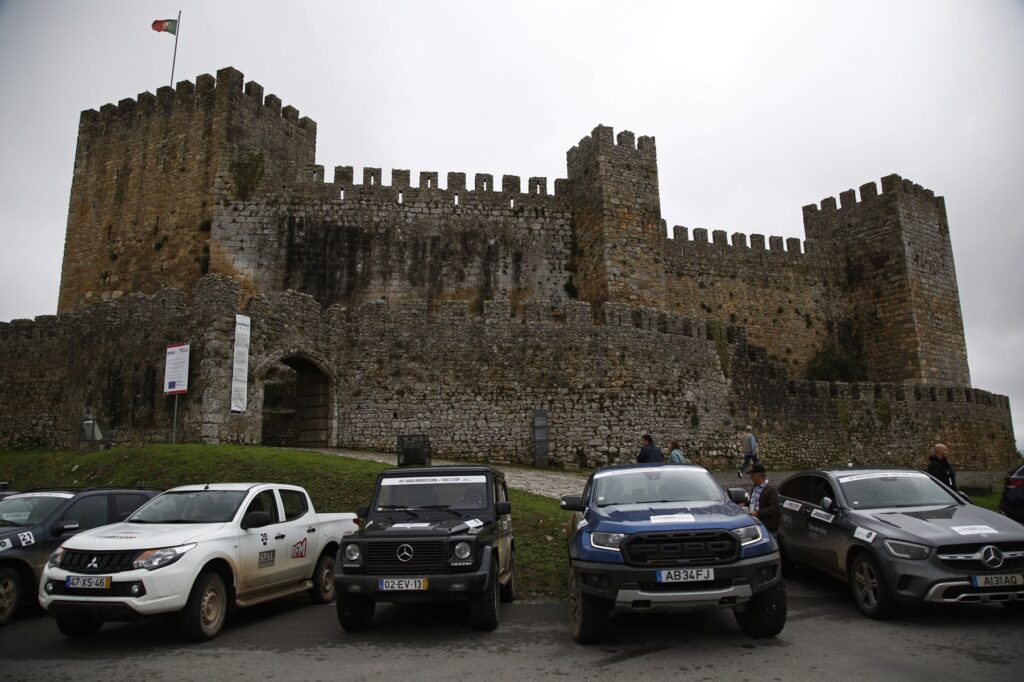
(458, 311)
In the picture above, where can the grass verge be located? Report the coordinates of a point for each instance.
(334, 483)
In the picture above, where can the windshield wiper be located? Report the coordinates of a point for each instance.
(442, 507)
(397, 507)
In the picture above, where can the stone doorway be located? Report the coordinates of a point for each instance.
(296, 404)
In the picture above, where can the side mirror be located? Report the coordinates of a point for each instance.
(829, 505)
(255, 519)
(363, 512)
(572, 503)
(739, 495)
(65, 527)
(502, 508)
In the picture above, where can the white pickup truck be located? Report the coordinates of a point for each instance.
(199, 550)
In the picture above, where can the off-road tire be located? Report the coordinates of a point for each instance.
(508, 590)
(10, 594)
(322, 591)
(484, 607)
(79, 628)
(588, 615)
(765, 614)
(206, 608)
(355, 612)
(870, 593)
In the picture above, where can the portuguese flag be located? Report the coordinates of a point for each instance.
(166, 26)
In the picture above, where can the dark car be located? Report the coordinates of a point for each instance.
(36, 522)
(898, 535)
(1012, 501)
(430, 534)
(648, 538)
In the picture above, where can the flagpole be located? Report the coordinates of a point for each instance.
(175, 59)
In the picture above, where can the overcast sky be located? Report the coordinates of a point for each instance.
(758, 108)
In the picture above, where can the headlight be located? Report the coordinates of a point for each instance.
(352, 552)
(748, 534)
(610, 541)
(906, 550)
(54, 561)
(152, 559)
(462, 550)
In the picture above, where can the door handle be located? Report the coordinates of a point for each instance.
(279, 536)
(311, 530)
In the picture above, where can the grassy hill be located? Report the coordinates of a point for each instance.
(336, 484)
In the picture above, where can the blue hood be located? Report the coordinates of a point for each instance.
(668, 516)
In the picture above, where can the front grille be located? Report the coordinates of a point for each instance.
(681, 548)
(967, 557)
(427, 556)
(97, 562)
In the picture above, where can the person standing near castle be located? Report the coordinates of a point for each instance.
(649, 452)
(939, 466)
(675, 453)
(748, 446)
(764, 499)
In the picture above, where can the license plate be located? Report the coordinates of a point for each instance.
(1004, 580)
(686, 575)
(390, 584)
(88, 582)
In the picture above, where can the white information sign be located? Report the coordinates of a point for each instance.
(240, 367)
(176, 369)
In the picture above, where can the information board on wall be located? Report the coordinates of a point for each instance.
(240, 366)
(176, 369)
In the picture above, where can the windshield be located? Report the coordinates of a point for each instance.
(639, 486)
(29, 510)
(893, 489)
(190, 506)
(432, 492)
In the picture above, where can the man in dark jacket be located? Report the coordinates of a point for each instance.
(939, 466)
(649, 452)
(764, 499)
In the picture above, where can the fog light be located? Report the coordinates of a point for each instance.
(355, 588)
(49, 587)
(458, 587)
(135, 590)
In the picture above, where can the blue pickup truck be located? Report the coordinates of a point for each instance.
(654, 537)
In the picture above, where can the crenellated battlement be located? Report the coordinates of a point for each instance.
(207, 92)
(891, 185)
(723, 244)
(602, 139)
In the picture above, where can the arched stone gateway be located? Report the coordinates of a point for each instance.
(297, 399)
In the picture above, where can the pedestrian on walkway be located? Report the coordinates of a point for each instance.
(939, 466)
(675, 453)
(649, 452)
(748, 446)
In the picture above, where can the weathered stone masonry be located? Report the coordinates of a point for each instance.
(457, 311)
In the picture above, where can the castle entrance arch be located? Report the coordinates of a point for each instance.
(296, 404)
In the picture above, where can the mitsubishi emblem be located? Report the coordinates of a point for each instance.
(991, 556)
(404, 553)
(94, 564)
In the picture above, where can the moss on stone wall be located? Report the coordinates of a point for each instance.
(247, 171)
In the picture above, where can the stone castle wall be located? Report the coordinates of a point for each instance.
(471, 380)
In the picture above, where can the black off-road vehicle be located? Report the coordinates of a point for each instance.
(431, 534)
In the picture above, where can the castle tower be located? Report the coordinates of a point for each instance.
(613, 188)
(892, 250)
(143, 190)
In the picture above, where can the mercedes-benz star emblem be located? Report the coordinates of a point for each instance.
(991, 556)
(404, 553)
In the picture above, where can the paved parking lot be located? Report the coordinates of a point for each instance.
(825, 639)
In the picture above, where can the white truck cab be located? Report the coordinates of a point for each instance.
(199, 550)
